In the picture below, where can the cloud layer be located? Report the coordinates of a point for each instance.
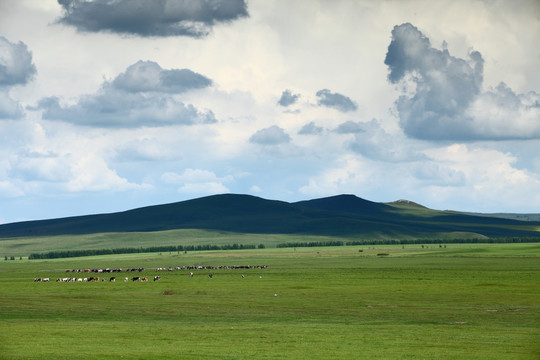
(151, 18)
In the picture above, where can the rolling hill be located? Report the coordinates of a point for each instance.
(341, 215)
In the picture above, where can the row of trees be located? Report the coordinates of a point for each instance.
(11, 257)
(185, 248)
(168, 248)
(412, 242)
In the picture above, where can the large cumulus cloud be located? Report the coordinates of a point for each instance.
(141, 96)
(193, 18)
(447, 101)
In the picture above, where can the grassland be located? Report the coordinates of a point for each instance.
(478, 301)
(24, 246)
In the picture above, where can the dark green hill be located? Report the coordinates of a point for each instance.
(345, 204)
(342, 215)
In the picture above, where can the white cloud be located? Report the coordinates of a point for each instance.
(91, 173)
(40, 166)
(272, 135)
(255, 189)
(148, 76)
(205, 188)
(502, 114)
(335, 100)
(16, 65)
(155, 18)
(9, 108)
(487, 179)
(138, 97)
(198, 181)
(373, 141)
(146, 149)
(348, 175)
(10, 190)
(447, 102)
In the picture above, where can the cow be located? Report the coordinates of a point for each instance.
(144, 278)
(156, 278)
(136, 278)
(113, 279)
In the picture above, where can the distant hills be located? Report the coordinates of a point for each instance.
(341, 215)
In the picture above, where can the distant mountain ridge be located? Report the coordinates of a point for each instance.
(341, 215)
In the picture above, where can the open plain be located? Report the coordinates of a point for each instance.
(478, 301)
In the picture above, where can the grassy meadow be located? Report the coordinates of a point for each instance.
(467, 301)
(24, 246)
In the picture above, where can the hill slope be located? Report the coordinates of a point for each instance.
(342, 215)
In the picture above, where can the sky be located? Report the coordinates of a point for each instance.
(109, 105)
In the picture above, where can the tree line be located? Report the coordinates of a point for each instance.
(167, 248)
(505, 240)
(185, 248)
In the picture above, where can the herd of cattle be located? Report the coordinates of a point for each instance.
(94, 278)
(142, 278)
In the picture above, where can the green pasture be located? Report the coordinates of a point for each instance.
(24, 246)
(466, 301)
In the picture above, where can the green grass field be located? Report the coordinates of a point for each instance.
(468, 301)
(24, 246)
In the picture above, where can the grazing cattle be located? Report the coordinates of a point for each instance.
(191, 274)
(156, 278)
(136, 278)
(113, 279)
(126, 279)
(210, 276)
(144, 278)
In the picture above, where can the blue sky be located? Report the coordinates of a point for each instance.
(111, 105)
